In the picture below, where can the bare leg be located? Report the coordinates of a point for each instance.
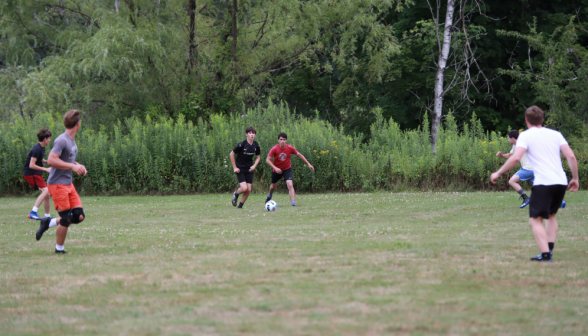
(551, 228)
(291, 190)
(60, 234)
(47, 203)
(514, 183)
(539, 233)
(41, 198)
(242, 188)
(273, 187)
(246, 193)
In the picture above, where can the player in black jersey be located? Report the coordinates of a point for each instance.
(244, 165)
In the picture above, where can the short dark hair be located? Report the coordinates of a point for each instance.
(535, 115)
(43, 134)
(513, 134)
(71, 118)
(250, 129)
(282, 135)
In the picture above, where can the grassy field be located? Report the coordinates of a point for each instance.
(338, 264)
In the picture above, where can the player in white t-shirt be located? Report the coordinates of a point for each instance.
(543, 147)
(523, 174)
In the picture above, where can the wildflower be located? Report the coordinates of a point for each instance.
(318, 157)
(335, 157)
(314, 150)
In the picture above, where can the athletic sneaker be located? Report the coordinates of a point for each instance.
(526, 202)
(235, 198)
(540, 259)
(60, 252)
(43, 227)
(267, 200)
(33, 215)
(563, 204)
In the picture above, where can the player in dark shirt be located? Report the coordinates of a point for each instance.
(243, 166)
(33, 172)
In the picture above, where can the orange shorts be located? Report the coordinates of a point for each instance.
(64, 196)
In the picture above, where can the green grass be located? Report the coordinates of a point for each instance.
(338, 264)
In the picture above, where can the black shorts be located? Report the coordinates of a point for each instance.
(245, 176)
(286, 174)
(546, 200)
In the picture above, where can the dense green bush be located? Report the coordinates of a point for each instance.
(168, 156)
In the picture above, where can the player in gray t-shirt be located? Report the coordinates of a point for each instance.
(65, 197)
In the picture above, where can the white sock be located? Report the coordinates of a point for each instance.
(35, 209)
(47, 215)
(53, 222)
(59, 247)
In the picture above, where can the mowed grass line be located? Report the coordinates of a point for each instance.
(338, 264)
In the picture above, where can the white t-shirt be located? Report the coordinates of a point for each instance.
(524, 160)
(543, 150)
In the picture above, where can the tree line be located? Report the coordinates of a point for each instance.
(338, 59)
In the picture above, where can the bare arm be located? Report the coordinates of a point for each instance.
(574, 184)
(33, 166)
(512, 161)
(271, 164)
(255, 164)
(55, 161)
(305, 161)
(232, 156)
(503, 155)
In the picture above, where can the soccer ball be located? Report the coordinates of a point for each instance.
(271, 206)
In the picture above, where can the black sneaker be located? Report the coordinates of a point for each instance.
(235, 198)
(43, 227)
(540, 259)
(60, 252)
(267, 200)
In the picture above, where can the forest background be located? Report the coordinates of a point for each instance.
(353, 70)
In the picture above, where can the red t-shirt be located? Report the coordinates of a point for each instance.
(282, 156)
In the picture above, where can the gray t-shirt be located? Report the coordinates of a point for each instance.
(67, 149)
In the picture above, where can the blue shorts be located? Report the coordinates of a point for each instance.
(526, 175)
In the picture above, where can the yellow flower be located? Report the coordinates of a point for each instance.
(521, 130)
(335, 157)
(318, 157)
(314, 151)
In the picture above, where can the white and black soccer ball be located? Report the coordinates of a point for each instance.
(271, 206)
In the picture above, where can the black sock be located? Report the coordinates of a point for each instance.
(240, 205)
(551, 246)
(545, 255)
(522, 193)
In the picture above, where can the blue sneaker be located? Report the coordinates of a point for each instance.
(563, 204)
(33, 215)
(526, 202)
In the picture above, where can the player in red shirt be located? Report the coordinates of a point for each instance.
(282, 167)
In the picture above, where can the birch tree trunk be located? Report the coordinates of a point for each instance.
(441, 66)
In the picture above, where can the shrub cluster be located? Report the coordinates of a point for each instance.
(167, 156)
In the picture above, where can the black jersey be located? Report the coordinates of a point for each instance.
(245, 153)
(37, 151)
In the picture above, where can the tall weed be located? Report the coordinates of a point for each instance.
(166, 156)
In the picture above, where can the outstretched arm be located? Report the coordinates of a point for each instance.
(509, 164)
(574, 184)
(305, 161)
